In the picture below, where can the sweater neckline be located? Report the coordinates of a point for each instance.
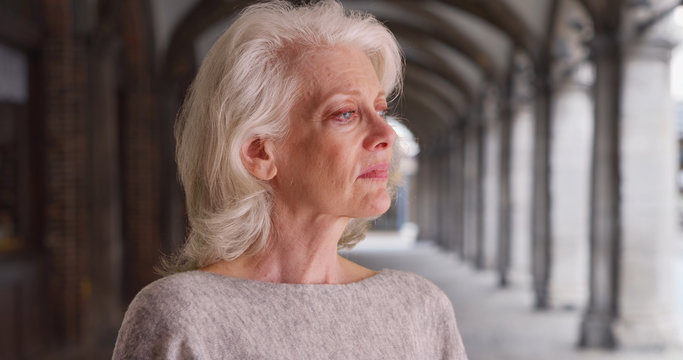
(274, 285)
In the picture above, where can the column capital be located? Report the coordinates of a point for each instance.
(648, 29)
(490, 104)
(571, 47)
(523, 76)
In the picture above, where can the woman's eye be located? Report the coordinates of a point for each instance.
(345, 116)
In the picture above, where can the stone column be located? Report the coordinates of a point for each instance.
(431, 206)
(142, 152)
(648, 152)
(435, 198)
(66, 215)
(471, 189)
(521, 170)
(453, 226)
(504, 214)
(541, 232)
(491, 179)
(632, 303)
(598, 322)
(420, 194)
(521, 184)
(570, 191)
(572, 133)
(480, 144)
(423, 196)
(439, 180)
(457, 184)
(446, 196)
(105, 310)
(446, 217)
(449, 209)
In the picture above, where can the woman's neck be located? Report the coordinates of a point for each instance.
(302, 250)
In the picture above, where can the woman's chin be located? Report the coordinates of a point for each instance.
(377, 206)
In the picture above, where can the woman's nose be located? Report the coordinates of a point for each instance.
(381, 134)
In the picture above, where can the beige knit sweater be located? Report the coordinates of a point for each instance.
(199, 315)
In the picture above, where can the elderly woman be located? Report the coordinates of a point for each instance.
(284, 153)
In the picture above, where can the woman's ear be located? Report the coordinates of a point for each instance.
(257, 157)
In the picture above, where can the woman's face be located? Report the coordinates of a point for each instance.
(335, 159)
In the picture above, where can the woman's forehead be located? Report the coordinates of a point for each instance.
(338, 70)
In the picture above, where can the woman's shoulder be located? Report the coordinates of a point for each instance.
(179, 297)
(409, 280)
(413, 286)
(177, 290)
(165, 300)
(165, 308)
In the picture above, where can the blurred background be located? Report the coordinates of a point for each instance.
(542, 168)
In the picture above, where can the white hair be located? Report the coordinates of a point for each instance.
(244, 86)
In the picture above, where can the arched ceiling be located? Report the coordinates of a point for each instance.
(454, 49)
(433, 83)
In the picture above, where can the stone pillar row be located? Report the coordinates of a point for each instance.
(66, 209)
(569, 189)
(99, 130)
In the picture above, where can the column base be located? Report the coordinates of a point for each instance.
(597, 331)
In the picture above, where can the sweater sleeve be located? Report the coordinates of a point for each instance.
(152, 330)
(452, 347)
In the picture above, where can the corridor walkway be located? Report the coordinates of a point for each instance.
(496, 324)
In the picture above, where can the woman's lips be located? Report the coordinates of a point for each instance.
(377, 171)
